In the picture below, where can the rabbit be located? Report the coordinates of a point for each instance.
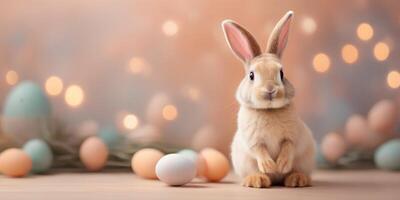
(272, 145)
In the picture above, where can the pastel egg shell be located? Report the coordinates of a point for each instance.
(26, 113)
(387, 155)
(110, 136)
(175, 169)
(27, 100)
(40, 154)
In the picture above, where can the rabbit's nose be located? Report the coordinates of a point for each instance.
(270, 88)
(270, 94)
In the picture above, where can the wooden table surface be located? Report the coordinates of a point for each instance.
(337, 185)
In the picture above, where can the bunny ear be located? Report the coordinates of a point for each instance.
(240, 41)
(279, 36)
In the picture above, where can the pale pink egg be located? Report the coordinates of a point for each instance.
(93, 153)
(356, 130)
(382, 118)
(333, 147)
(15, 163)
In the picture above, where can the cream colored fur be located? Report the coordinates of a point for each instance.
(272, 144)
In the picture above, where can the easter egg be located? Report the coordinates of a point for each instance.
(154, 111)
(175, 169)
(196, 158)
(144, 162)
(110, 136)
(15, 163)
(93, 153)
(26, 113)
(356, 130)
(388, 155)
(333, 147)
(216, 164)
(145, 134)
(382, 117)
(40, 154)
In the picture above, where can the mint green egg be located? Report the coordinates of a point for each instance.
(40, 153)
(110, 136)
(26, 100)
(388, 155)
(26, 113)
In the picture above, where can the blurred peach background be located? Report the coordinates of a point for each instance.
(102, 59)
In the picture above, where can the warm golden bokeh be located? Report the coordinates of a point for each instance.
(393, 79)
(170, 28)
(365, 31)
(137, 65)
(321, 63)
(349, 53)
(54, 85)
(130, 121)
(381, 51)
(308, 25)
(170, 112)
(74, 96)
(12, 77)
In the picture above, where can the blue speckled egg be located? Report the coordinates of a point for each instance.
(110, 136)
(26, 113)
(40, 153)
(388, 155)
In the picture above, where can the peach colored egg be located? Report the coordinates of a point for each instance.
(144, 162)
(356, 130)
(15, 163)
(333, 147)
(382, 117)
(93, 153)
(216, 164)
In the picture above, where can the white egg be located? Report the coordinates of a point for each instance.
(175, 169)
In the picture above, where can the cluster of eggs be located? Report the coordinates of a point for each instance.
(35, 157)
(180, 168)
(376, 132)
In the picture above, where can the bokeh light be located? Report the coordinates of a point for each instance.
(308, 25)
(169, 112)
(170, 28)
(321, 63)
(381, 51)
(130, 121)
(54, 85)
(393, 79)
(12, 77)
(349, 53)
(74, 96)
(365, 31)
(137, 65)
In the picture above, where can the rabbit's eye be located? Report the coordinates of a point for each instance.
(251, 76)
(281, 72)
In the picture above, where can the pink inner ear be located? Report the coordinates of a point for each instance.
(239, 42)
(283, 36)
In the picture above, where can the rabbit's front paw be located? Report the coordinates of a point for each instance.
(266, 165)
(284, 164)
